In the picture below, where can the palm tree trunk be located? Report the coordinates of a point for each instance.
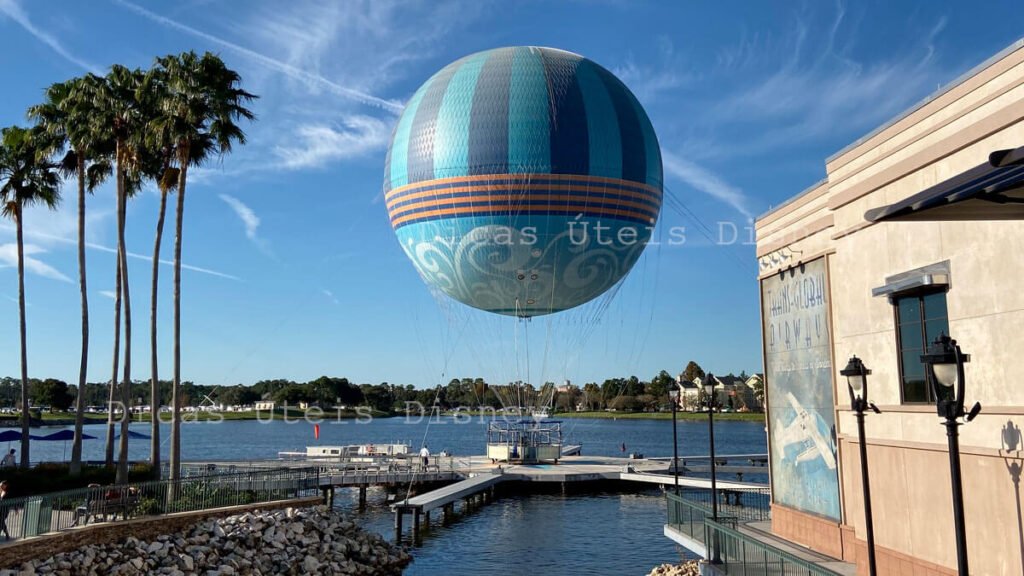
(76, 445)
(175, 461)
(126, 386)
(154, 391)
(24, 352)
(113, 378)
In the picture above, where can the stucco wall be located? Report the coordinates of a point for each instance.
(906, 444)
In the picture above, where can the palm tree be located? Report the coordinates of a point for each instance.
(64, 116)
(119, 112)
(158, 156)
(200, 111)
(27, 177)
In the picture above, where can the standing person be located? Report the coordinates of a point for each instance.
(3, 508)
(623, 447)
(425, 454)
(9, 460)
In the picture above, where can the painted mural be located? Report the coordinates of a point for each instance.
(798, 367)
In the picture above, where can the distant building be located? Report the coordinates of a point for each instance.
(756, 385)
(689, 394)
(265, 405)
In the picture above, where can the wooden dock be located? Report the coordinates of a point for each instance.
(472, 479)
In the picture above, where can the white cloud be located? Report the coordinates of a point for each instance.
(806, 86)
(647, 82)
(707, 182)
(320, 144)
(365, 45)
(249, 218)
(330, 295)
(94, 246)
(306, 76)
(12, 9)
(109, 294)
(9, 259)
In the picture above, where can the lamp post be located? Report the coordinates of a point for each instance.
(944, 365)
(674, 397)
(857, 383)
(709, 399)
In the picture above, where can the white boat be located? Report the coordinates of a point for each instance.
(347, 453)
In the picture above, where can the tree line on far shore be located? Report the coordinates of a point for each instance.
(621, 394)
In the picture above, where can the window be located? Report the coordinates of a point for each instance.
(920, 319)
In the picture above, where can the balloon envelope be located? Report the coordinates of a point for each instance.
(524, 180)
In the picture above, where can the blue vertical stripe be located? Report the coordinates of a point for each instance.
(488, 124)
(387, 168)
(400, 145)
(652, 150)
(634, 159)
(451, 142)
(570, 147)
(529, 139)
(421, 144)
(605, 142)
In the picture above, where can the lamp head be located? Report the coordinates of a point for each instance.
(856, 378)
(673, 394)
(944, 364)
(709, 383)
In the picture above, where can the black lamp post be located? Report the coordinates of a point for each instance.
(709, 399)
(674, 397)
(857, 382)
(944, 364)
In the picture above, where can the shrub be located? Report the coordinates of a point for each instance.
(148, 507)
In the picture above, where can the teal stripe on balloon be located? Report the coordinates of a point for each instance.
(451, 139)
(602, 124)
(400, 146)
(529, 138)
(652, 150)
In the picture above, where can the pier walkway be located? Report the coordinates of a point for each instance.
(451, 493)
(472, 479)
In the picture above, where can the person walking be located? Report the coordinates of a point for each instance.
(425, 454)
(9, 460)
(3, 508)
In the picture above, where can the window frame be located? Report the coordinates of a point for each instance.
(918, 294)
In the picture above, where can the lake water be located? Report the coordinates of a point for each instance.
(592, 533)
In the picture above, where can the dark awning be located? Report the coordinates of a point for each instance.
(990, 191)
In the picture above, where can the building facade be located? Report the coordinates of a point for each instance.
(876, 261)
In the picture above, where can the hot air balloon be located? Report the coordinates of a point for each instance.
(523, 181)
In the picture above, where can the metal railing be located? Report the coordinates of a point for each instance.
(359, 465)
(60, 511)
(735, 553)
(747, 504)
(688, 516)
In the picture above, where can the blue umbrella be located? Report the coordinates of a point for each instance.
(10, 435)
(63, 435)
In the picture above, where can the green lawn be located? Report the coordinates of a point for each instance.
(739, 416)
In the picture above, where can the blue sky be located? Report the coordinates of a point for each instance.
(293, 269)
